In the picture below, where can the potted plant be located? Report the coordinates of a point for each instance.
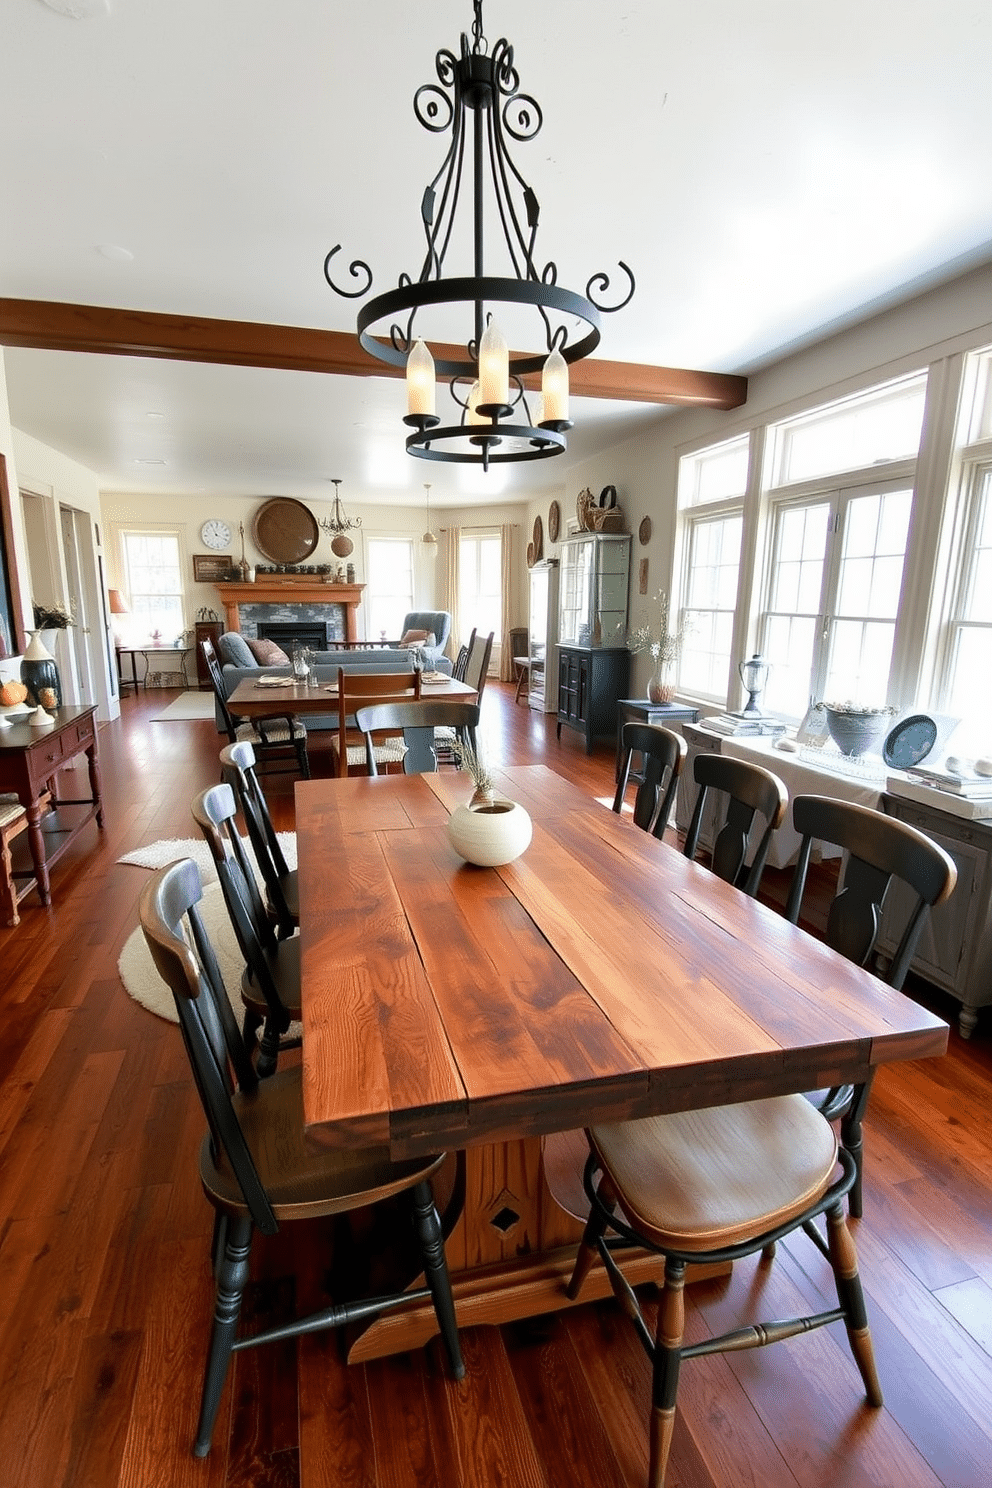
(664, 641)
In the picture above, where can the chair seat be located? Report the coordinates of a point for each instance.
(301, 1181)
(276, 731)
(385, 751)
(701, 1180)
(11, 810)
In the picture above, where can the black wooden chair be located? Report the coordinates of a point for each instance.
(270, 982)
(417, 720)
(255, 1166)
(282, 884)
(662, 755)
(881, 851)
(714, 1186)
(750, 790)
(280, 740)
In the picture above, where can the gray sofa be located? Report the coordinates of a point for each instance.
(325, 663)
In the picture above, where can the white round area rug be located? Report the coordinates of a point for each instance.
(135, 966)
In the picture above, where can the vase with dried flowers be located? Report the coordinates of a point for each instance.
(39, 672)
(489, 831)
(664, 642)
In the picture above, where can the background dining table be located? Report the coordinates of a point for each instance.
(601, 976)
(254, 699)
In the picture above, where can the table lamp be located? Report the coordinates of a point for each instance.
(754, 675)
(118, 606)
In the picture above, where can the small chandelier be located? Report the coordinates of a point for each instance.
(428, 539)
(481, 87)
(338, 524)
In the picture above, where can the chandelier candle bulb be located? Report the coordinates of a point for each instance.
(472, 414)
(494, 368)
(420, 381)
(554, 389)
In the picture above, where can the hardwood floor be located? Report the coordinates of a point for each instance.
(107, 1291)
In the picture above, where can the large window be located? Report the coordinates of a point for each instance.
(153, 580)
(712, 484)
(966, 693)
(835, 577)
(389, 590)
(480, 585)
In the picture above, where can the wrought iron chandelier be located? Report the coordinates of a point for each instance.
(337, 524)
(479, 102)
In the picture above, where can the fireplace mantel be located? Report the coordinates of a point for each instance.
(281, 589)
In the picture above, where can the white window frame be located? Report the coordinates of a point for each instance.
(132, 625)
(469, 604)
(399, 602)
(976, 491)
(694, 521)
(839, 500)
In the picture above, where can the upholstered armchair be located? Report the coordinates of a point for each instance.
(436, 623)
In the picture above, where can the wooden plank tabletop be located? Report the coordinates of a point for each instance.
(599, 976)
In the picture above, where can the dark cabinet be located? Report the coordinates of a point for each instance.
(591, 681)
(206, 630)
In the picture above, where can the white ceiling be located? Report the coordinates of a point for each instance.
(768, 171)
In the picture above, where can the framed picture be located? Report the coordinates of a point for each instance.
(11, 635)
(211, 568)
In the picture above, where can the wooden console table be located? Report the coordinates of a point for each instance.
(30, 759)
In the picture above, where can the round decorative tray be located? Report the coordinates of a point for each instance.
(285, 530)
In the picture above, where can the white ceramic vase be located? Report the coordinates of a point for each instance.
(490, 834)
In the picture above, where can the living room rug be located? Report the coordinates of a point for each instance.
(188, 705)
(135, 966)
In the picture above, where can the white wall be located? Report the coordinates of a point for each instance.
(186, 514)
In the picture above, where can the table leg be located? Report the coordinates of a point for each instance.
(36, 842)
(510, 1252)
(96, 783)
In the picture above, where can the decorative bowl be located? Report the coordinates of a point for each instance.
(490, 834)
(856, 731)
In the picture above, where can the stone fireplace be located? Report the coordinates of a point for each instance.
(291, 599)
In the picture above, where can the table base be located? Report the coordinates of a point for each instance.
(510, 1253)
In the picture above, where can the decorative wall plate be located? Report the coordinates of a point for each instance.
(530, 555)
(910, 741)
(538, 539)
(554, 521)
(644, 531)
(285, 530)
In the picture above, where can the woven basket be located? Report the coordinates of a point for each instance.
(606, 521)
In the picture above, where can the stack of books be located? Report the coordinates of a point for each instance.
(967, 795)
(731, 724)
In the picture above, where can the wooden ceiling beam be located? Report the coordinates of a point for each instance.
(48, 325)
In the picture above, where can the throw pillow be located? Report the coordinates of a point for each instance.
(418, 638)
(267, 653)
(234, 650)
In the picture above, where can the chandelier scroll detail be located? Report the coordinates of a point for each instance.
(477, 102)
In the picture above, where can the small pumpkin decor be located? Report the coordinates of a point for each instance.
(12, 693)
(488, 831)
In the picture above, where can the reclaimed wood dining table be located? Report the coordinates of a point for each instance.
(601, 976)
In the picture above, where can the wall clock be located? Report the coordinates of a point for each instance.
(285, 530)
(215, 534)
